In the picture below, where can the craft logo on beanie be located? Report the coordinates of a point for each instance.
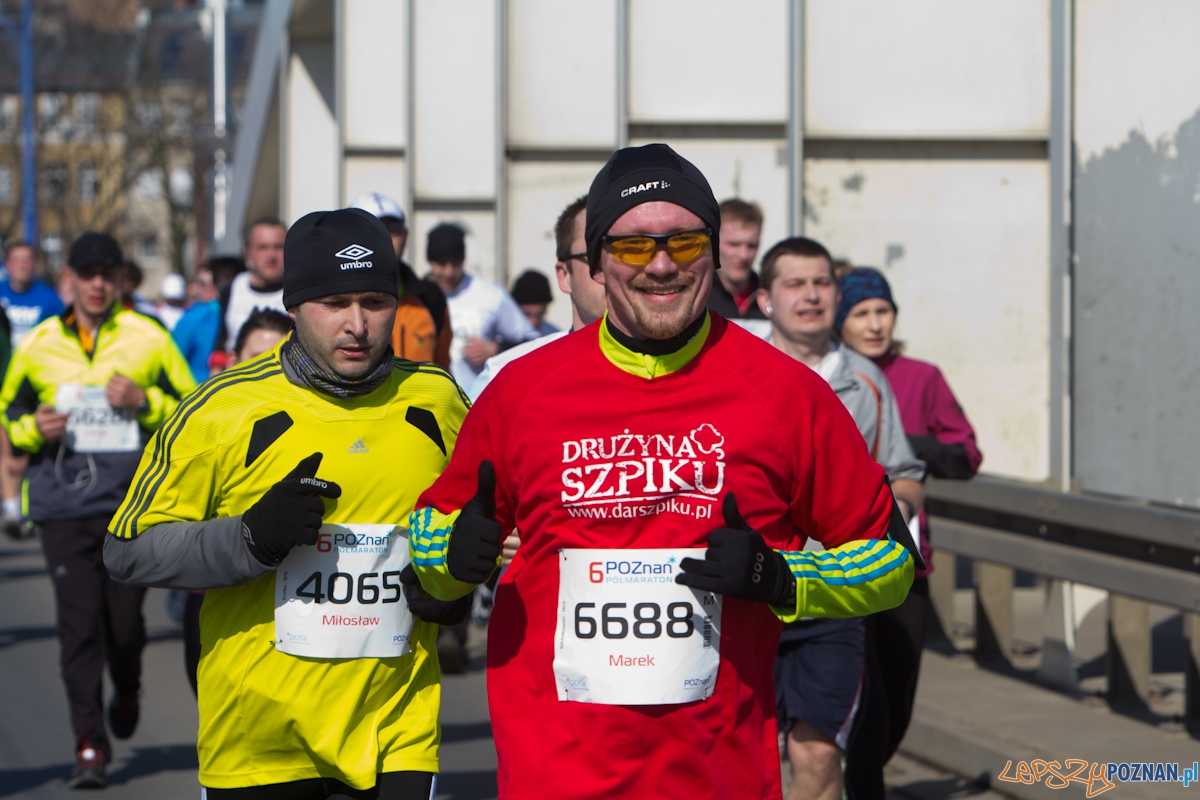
(636, 175)
(326, 253)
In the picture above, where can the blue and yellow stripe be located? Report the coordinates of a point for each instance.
(858, 578)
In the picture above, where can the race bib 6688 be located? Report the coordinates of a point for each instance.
(627, 634)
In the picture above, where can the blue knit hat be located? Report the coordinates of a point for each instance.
(863, 283)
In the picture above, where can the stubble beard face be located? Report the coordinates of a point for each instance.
(323, 353)
(662, 321)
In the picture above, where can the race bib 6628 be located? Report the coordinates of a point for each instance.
(627, 634)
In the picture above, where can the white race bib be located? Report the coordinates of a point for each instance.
(342, 597)
(94, 426)
(628, 634)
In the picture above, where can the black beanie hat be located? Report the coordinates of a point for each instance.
(94, 248)
(445, 244)
(332, 252)
(531, 287)
(637, 175)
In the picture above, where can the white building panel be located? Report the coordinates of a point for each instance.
(455, 103)
(1136, 65)
(708, 61)
(562, 73)
(313, 173)
(1137, 205)
(537, 194)
(965, 246)
(927, 68)
(375, 72)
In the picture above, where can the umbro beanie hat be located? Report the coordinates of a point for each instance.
(333, 252)
(94, 248)
(636, 175)
(446, 244)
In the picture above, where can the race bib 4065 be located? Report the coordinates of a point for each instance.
(342, 597)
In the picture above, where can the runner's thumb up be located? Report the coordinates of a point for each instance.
(733, 517)
(476, 541)
(485, 494)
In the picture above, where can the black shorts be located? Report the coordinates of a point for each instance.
(390, 786)
(819, 674)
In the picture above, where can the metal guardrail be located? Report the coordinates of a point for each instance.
(1137, 552)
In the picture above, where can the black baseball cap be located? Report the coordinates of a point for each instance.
(94, 248)
(333, 252)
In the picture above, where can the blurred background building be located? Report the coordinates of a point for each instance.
(123, 125)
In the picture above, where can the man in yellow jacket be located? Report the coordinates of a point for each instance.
(315, 680)
(83, 393)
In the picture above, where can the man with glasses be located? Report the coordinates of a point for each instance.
(574, 279)
(664, 468)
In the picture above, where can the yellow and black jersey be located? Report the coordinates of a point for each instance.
(266, 716)
(63, 483)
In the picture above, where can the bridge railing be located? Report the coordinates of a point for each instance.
(1139, 553)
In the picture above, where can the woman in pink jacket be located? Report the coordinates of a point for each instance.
(940, 436)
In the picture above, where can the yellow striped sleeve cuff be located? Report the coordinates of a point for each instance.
(858, 578)
(428, 542)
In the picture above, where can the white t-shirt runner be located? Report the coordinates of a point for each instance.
(627, 634)
(342, 597)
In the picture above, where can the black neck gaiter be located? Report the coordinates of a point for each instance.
(656, 347)
(333, 385)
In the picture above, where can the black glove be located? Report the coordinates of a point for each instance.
(739, 563)
(439, 612)
(477, 540)
(289, 514)
(943, 460)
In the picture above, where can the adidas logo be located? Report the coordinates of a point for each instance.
(358, 447)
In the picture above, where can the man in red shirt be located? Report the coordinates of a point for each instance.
(736, 287)
(664, 468)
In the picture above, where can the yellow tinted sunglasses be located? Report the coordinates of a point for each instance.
(639, 249)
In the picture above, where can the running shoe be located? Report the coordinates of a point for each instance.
(88, 772)
(123, 713)
(14, 527)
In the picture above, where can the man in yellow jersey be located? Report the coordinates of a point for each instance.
(83, 393)
(315, 681)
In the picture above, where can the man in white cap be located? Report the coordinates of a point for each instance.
(173, 292)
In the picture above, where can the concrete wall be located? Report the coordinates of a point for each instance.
(1137, 243)
(936, 142)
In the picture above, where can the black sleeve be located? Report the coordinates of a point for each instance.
(943, 460)
(222, 334)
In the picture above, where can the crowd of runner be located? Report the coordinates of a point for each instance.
(693, 521)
